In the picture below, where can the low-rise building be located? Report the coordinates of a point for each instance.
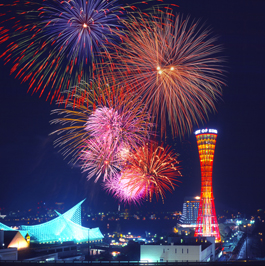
(8, 254)
(180, 249)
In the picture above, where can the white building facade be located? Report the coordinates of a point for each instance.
(201, 251)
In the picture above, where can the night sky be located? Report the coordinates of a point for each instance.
(33, 170)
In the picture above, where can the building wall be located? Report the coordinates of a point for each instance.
(1, 238)
(59, 251)
(207, 254)
(211, 239)
(47, 257)
(153, 253)
(8, 254)
(191, 210)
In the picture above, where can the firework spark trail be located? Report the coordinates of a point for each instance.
(174, 65)
(101, 118)
(54, 44)
(151, 170)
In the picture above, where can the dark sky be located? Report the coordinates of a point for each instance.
(32, 169)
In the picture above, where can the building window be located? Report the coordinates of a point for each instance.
(187, 250)
(182, 250)
(175, 250)
(164, 250)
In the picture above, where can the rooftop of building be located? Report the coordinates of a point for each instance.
(203, 245)
(190, 198)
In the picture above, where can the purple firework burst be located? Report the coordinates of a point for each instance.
(54, 43)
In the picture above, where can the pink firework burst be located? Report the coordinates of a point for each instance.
(119, 128)
(121, 188)
(99, 160)
(105, 124)
(99, 127)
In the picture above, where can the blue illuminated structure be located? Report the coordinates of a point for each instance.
(6, 228)
(66, 227)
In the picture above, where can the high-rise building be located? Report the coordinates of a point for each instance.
(190, 211)
(207, 222)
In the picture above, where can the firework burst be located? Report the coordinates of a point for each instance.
(101, 118)
(118, 127)
(99, 160)
(53, 44)
(174, 65)
(151, 170)
(121, 188)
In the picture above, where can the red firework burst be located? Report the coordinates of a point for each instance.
(151, 170)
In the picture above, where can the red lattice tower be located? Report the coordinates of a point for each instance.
(207, 222)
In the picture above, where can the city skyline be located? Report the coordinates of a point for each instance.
(33, 170)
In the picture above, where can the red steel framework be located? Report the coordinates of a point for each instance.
(207, 222)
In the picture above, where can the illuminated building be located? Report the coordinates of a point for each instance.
(207, 222)
(66, 227)
(190, 211)
(5, 227)
(188, 249)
